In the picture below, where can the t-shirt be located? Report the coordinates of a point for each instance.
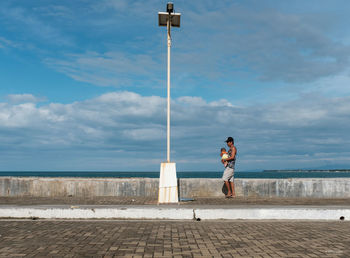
(231, 163)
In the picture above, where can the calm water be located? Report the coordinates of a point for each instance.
(262, 174)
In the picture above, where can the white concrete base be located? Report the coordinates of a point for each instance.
(168, 191)
(175, 213)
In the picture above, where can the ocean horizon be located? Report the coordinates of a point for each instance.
(183, 174)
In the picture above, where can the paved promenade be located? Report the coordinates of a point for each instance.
(170, 238)
(96, 238)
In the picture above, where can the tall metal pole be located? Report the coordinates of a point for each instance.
(168, 190)
(168, 90)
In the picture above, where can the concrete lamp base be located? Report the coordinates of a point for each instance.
(168, 192)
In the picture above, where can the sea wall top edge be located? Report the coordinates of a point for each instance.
(46, 178)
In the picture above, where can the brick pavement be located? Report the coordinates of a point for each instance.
(59, 238)
(110, 200)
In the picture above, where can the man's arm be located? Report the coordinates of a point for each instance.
(234, 150)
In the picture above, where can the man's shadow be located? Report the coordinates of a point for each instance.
(224, 189)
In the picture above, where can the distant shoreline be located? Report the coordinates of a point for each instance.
(308, 170)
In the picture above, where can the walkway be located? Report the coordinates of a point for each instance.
(95, 238)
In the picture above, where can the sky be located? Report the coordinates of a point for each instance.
(83, 85)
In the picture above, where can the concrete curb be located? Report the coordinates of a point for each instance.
(95, 212)
(176, 213)
(278, 213)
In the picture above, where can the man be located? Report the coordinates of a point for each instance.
(230, 168)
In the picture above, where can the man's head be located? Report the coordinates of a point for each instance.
(229, 141)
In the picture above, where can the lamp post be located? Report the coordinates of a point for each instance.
(167, 182)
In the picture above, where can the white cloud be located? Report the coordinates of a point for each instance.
(31, 28)
(23, 98)
(268, 43)
(4, 43)
(108, 69)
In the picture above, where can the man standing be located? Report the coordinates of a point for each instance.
(230, 168)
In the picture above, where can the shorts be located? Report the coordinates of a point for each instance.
(228, 174)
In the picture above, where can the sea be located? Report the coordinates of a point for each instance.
(188, 174)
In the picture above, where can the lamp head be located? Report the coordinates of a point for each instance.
(170, 7)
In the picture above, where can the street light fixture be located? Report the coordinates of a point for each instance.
(168, 192)
(170, 8)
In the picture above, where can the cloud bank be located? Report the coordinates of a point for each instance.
(126, 131)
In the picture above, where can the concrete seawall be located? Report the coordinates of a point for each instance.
(188, 187)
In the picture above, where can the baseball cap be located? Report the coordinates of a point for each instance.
(229, 139)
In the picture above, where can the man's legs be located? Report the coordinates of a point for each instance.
(233, 194)
(227, 184)
(229, 193)
(228, 179)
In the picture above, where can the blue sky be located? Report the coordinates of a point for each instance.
(83, 84)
